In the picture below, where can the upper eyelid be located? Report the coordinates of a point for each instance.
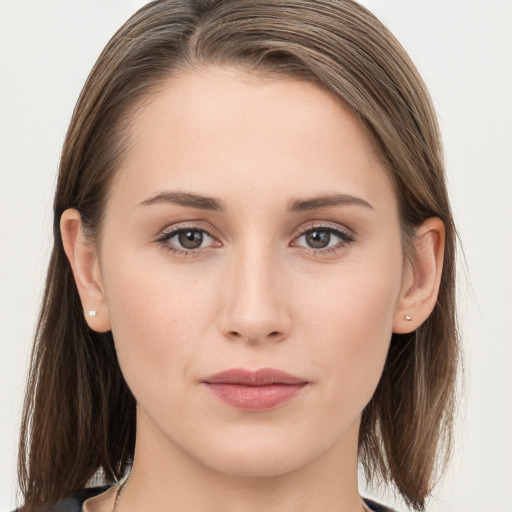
(326, 225)
(194, 225)
(176, 228)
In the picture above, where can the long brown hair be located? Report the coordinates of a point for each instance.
(79, 415)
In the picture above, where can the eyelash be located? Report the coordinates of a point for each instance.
(344, 236)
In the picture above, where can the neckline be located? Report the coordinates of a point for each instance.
(87, 495)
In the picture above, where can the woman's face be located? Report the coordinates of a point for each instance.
(251, 226)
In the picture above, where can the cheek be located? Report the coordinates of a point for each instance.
(349, 327)
(158, 320)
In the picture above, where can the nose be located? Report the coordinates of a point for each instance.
(255, 308)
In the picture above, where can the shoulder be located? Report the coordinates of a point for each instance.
(74, 503)
(376, 507)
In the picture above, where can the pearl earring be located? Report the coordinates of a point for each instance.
(408, 317)
(92, 312)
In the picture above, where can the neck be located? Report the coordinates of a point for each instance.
(165, 478)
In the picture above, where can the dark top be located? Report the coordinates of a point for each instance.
(74, 503)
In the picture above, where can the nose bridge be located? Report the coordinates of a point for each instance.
(254, 306)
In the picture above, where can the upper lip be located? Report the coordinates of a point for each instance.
(261, 377)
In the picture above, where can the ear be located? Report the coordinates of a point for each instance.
(422, 277)
(86, 270)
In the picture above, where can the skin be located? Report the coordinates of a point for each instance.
(254, 295)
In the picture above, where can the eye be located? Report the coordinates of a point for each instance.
(186, 240)
(323, 239)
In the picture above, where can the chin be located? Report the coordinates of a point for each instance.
(262, 454)
(263, 463)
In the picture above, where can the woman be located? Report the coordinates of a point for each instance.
(252, 281)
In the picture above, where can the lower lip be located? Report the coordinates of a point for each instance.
(255, 398)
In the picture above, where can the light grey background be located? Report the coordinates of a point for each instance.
(463, 48)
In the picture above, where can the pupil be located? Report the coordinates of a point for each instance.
(318, 239)
(191, 239)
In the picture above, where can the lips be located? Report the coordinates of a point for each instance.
(256, 391)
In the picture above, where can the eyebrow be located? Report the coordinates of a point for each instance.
(315, 203)
(294, 205)
(186, 199)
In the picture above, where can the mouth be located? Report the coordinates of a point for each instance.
(256, 391)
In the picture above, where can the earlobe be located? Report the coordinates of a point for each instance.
(86, 270)
(422, 277)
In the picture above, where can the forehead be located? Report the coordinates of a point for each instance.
(223, 132)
